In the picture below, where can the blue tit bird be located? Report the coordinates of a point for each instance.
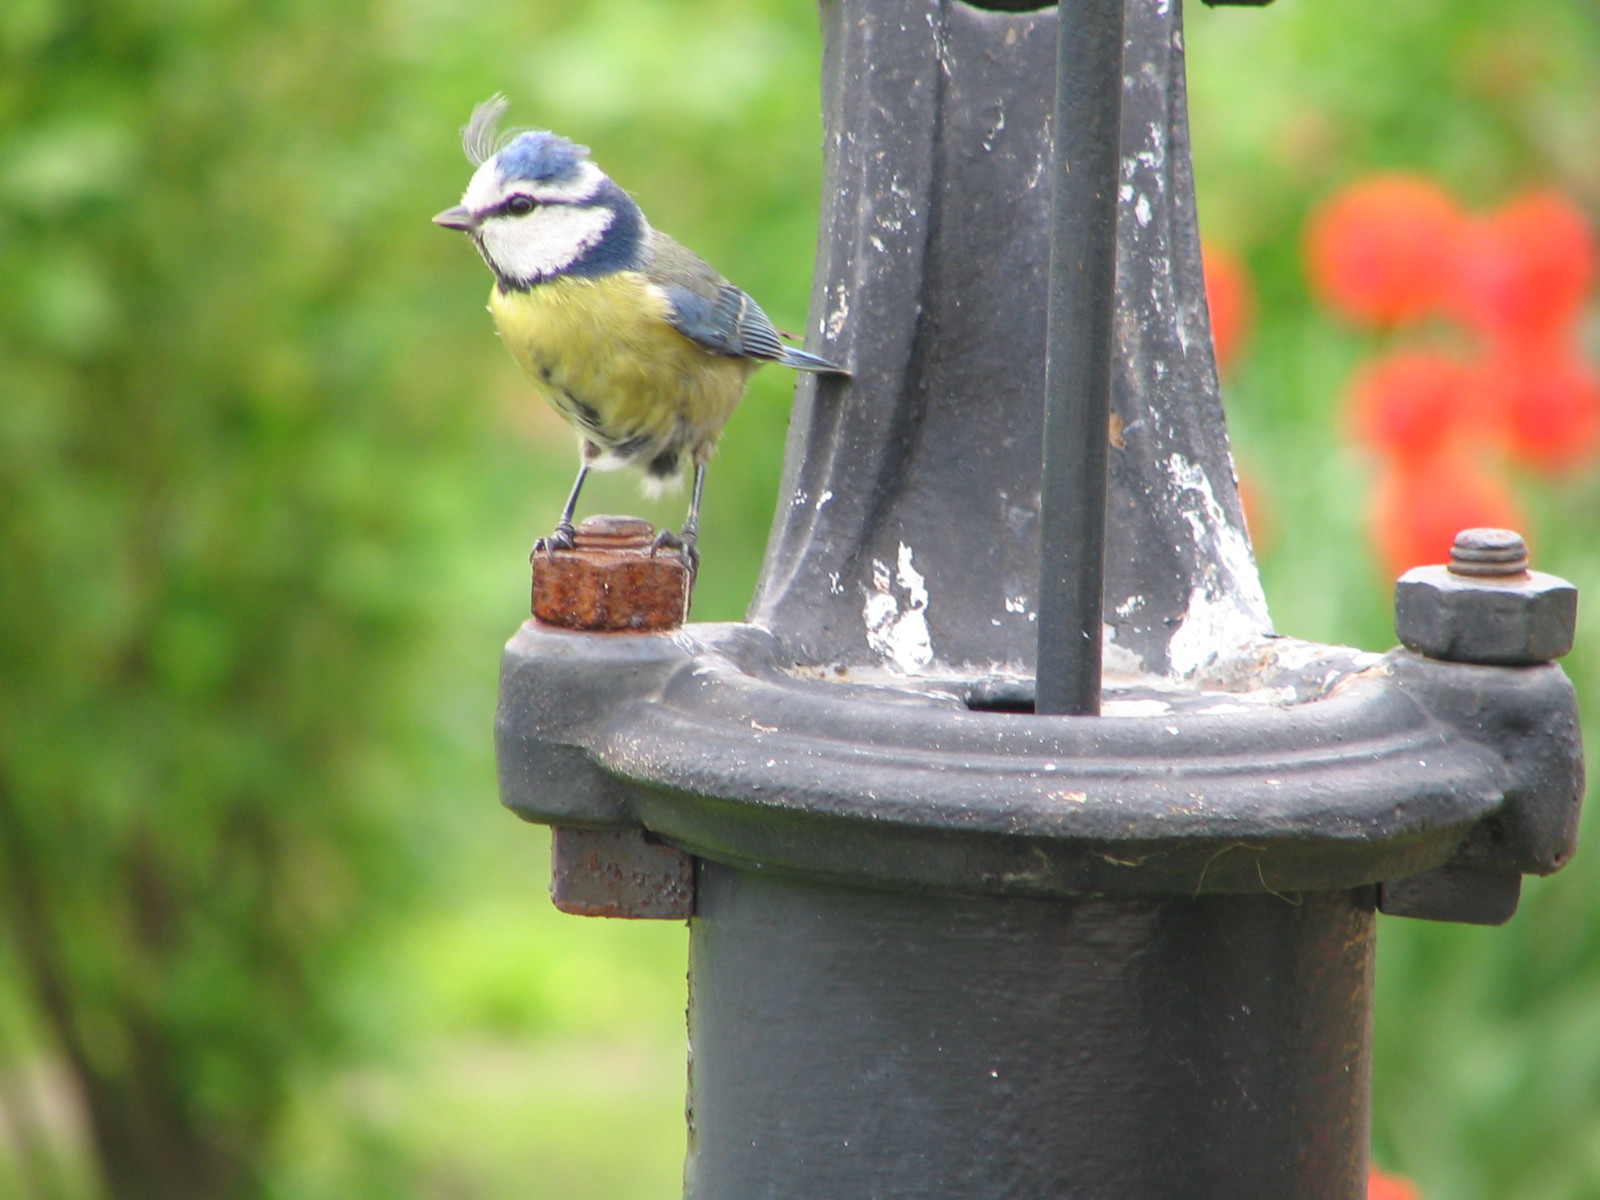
(637, 342)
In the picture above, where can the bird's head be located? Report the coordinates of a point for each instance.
(537, 207)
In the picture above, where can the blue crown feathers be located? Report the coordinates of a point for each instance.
(537, 155)
(532, 154)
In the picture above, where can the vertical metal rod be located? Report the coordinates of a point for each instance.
(1083, 275)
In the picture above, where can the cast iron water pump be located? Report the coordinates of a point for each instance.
(1010, 880)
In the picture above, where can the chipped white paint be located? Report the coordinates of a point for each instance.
(824, 498)
(995, 130)
(1227, 543)
(1227, 610)
(897, 629)
(841, 311)
(1118, 661)
(1293, 654)
(1016, 604)
(941, 47)
(1141, 210)
(1251, 701)
(1213, 629)
(835, 586)
(1134, 708)
(1036, 174)
(1129, 606)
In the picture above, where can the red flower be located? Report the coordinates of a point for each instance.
(1390, 1187)
(1523, 273)
(1545, 404)
(1229, 298)
(1411, 404)
(1419, 506)
(1395, 248)
(1381, 250)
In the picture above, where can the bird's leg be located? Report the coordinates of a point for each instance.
(562, 538)
(684, 540)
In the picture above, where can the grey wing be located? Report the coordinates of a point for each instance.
(710, 311)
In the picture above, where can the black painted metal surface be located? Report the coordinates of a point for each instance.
(1453, 893)
(1385, 772)
(910, 534)
(1079, 355)
(857, 1044)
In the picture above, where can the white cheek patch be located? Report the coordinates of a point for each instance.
(543, 243)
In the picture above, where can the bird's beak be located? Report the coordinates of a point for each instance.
(455, 218)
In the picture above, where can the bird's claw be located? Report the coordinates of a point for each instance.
(683, 543)
(561, 539)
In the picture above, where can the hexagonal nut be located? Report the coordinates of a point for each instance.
(1527, 618)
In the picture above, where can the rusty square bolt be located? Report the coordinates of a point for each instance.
(1486, 606)
(613, 580)
(619, 873)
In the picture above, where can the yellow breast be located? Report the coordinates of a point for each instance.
(602, 352)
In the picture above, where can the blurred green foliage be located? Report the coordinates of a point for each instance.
(267, 483)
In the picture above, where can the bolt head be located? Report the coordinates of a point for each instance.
(1513, 620)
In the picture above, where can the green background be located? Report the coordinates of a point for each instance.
(267, 485)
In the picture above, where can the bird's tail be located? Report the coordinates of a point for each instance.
(802, 360)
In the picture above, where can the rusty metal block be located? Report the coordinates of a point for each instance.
(613, 580)
(619, 873)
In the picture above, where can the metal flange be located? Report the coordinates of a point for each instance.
(1335, 771)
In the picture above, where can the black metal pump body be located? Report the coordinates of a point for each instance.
(940, 946)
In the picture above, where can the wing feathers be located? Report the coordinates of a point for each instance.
(709, 310)
(732, 323)
(802, 360)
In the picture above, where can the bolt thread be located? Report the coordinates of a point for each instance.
(1489, 553)
(614, 533)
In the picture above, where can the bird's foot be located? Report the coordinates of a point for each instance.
(683, 543)
(561, 539)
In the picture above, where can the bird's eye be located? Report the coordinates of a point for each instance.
(521, 206)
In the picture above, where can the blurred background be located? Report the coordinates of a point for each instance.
(268, 482)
